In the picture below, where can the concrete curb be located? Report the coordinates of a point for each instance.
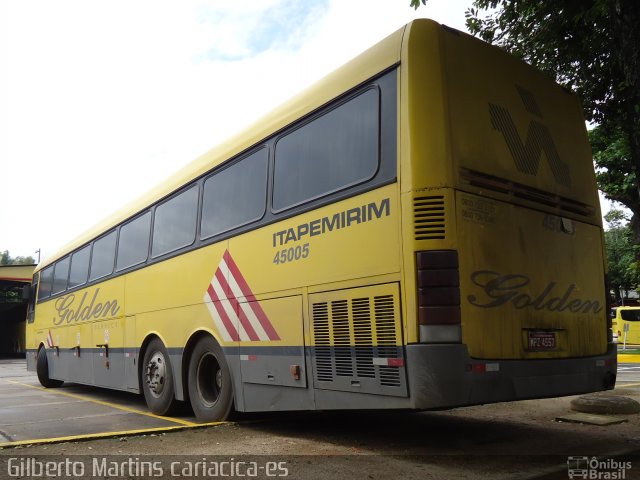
(605, 405)
(628, 358)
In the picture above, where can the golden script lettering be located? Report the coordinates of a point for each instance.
(70, 312)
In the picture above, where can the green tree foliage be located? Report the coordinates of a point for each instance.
(614, 169)
(624, 271)
(5, 259)
(593, 48)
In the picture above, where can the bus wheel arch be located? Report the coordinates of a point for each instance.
(155, 376)
(186, 357)
(209, 382)
(42, 369)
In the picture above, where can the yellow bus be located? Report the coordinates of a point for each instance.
(419, 230)
(626, 325)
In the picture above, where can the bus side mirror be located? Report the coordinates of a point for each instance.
(27, 293)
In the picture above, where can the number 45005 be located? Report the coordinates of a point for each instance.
(291, 254)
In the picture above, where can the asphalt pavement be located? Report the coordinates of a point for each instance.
(31, 414)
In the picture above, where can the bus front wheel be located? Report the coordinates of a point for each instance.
(157, 379)
(210, 386)
(42, 369)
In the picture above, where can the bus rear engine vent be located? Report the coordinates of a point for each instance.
(439, 296)
(428, 218)
(357, 338)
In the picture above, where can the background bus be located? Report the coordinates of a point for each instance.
(626, 325)
(418, 230)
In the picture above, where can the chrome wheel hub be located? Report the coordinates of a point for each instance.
(155, 374)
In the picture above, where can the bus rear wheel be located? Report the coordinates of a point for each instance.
(210, 385)
(157, 379)
(42, 369)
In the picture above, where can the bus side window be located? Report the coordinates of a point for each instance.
(328, 154)
(174, 226)
(246, 180)
(60, 276)
(133, 243)
(79, 270)
(104, 252)
(46, 280)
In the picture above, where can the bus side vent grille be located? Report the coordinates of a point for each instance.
(387, 338)
(324, 366)
(363, 337)
(428, 218)
(356, 335)
(341, 338)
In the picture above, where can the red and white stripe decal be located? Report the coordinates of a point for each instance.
(388, 362)
(234, 308)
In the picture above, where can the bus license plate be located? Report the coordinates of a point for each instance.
(542, 341)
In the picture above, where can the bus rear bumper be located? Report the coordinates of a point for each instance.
(445, 376)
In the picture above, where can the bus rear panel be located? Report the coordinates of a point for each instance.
(505, 239)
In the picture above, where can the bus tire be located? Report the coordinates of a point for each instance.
(157, 379)
(42, 369)
(210, 384)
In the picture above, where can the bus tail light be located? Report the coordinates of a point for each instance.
(439, 296)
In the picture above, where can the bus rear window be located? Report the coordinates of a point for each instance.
(630, 315)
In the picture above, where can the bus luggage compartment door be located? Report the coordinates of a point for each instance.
(78, 345)
(108, 364)
(273, 352)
